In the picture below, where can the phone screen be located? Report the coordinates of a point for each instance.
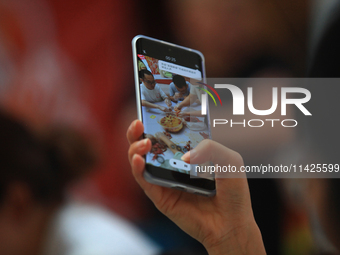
(169, 76)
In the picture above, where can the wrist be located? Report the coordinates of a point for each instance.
(242, 240)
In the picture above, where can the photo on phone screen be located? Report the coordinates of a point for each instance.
(169, 90)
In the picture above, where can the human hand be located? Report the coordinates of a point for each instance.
(168, 102)
(177, 107)
(164, 109)
(183, 114)
(224, 224)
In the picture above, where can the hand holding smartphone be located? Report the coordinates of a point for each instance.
(161, 70)
(225, 223)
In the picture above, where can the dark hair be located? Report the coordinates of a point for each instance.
(143, 72)
(179, 81)
(46, 164)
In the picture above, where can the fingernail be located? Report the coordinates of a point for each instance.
(141, 143)
(133, 158)
(134, 123)
(189, 156)
(145, 141)
(186, 157)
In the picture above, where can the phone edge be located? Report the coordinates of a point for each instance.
(148, 177)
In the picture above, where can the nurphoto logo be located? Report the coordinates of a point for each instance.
(239, 104)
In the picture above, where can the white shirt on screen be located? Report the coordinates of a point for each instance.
(152, 95)
(194, 89)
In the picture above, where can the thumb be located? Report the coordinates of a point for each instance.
(229, 163)
(209, 150)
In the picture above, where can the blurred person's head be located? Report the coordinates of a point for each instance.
(34, 173)
(180, 83)
(148, 79)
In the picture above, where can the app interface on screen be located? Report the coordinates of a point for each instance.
(173, 132)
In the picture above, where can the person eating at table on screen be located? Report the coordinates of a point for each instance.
(152, 93)
(179, 88)
(193, 98)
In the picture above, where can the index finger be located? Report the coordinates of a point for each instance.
(135, 131)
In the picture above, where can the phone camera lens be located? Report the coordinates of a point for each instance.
(175, 163)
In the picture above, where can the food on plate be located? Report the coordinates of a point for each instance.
(177, 111)
(158, 148)
(192, 119)
(171, 123)
(187, 146)
(168, 135)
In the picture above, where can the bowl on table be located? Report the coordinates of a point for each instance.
(171, 123)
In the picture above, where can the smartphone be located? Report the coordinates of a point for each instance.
(163, 70)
